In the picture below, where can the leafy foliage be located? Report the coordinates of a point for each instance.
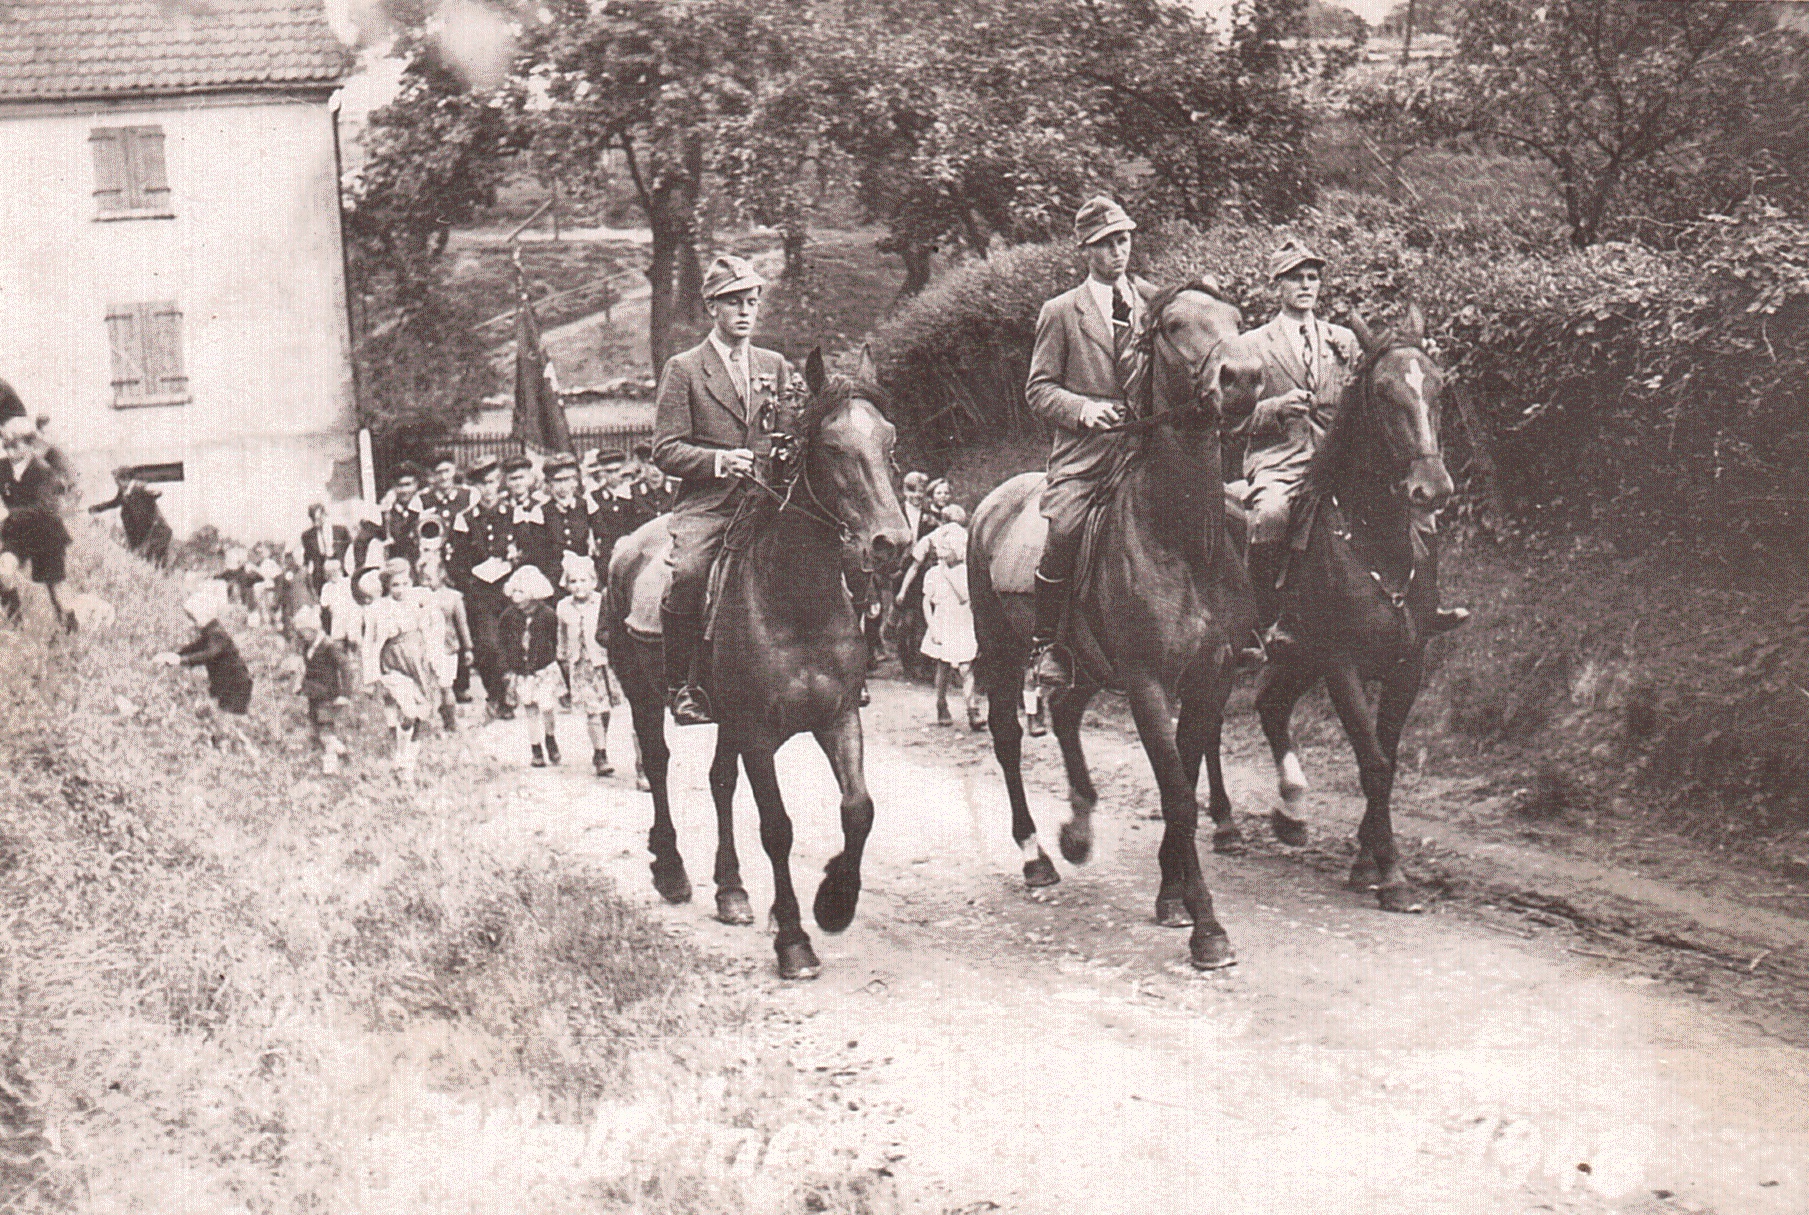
(1651, 115)
(1657, 398)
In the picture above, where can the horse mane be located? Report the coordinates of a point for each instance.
(1322, 473)
(837, 391)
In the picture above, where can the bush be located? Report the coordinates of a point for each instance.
(1655, 399)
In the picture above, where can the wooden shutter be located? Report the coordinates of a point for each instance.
(162, 328)
(110, 173)
(126, 342)
(144, 161)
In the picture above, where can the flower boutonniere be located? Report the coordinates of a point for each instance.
(765, 384)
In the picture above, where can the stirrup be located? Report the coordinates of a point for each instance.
(690, 706)
(1051, 665)
(1446, 619)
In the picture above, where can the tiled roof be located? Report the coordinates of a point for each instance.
(60, 49)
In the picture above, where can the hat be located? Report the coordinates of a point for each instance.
(1100, 216)
(204, 606)
(608, 459)
(574, 563)
(409, 468)
(730, 273)
(516, 464)
(398, 565)
(483, 468)
(1292, 254)
(370, 584)
(307, 617)
(557, 464)
(530, 581)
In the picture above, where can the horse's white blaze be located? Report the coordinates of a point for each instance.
(1291, 779)
(1416, 380)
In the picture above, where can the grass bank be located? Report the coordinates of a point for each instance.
(233, 984)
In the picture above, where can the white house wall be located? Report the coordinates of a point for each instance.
(252, 258)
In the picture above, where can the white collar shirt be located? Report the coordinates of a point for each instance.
(1102, 298)
(737, 361)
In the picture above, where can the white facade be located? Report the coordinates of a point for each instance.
(249, 255)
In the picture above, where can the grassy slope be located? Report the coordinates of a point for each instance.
(239, 982)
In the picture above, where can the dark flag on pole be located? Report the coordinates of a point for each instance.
(539, 420)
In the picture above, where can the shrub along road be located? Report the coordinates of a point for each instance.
(1551, 1037)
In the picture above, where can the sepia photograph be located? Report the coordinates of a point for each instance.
(904, 607)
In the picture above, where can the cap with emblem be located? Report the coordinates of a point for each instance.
(483, 468)
(730, 273)
(559, 463)
(1099, 217)
(1291, 256)
(514, 464)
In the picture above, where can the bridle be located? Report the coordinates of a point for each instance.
(793, 454)
(1154, 335)
(1365, 400)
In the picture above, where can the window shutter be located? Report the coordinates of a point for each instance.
(110, 191)
(150, 183)
(162, 329)
(123, 338)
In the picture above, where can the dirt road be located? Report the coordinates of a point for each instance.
(984, 1048)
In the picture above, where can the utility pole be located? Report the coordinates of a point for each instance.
(1407, 35)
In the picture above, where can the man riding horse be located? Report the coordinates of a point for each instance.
(1306, 364)
(710, 416)
(1078, 373)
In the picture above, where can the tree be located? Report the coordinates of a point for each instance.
(646, 88)
(1644, 111)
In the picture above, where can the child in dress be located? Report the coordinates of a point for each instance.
(323, 676)
(527, 638)
(340, 613)
(455, 636)
(583, 658)
(228, 682)
(396, 656)
(949, 637)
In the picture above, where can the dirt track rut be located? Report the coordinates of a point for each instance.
(993, 1049)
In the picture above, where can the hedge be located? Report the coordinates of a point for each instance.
(1651, 398)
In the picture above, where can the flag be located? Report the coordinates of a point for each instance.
(539, 419)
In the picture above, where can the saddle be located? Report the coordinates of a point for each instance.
(649, 589)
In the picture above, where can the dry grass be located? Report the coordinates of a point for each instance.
(235, 985)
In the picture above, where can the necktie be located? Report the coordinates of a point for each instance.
(1306, 354)
(1121, 320)
(738, 374)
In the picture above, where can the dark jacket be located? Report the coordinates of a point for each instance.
(698, 413)
(146, 529)
(326, 672)
(528, 640)
(478, 534)
(228, 682)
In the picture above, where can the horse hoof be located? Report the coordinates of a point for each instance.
(642, 785)
(835, 902)
(1364, 876)
(672, 882)
(1398, 898)
(798, 961)
(1228, 840)
(1173, 913)
(1077, 841)
(1212, 953)
(1040, 872)
(1288, 829)
(732, 907)
(1035, 727)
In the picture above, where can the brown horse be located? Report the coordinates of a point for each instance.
(1362, 588)
(1167, 597)
(787, 653)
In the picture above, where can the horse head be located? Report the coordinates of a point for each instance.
(1402, 385)
(1196, 335)
(846, 471)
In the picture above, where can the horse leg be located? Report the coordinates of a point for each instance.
(1209, 947)
(1198, 735)
(1003, 688)
(1399, 690)
(797, 960)
(669, 876)
(1375, 835)
(841, 888)
(1065, 710)
(732, 906)
(1280, 689)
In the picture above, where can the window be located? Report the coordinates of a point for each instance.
(157, 473)
(129, 179)
(146, 342)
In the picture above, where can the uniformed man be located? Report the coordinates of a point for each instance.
(531, 540)
(1306, 364)
(444, 498)
(567, 517)
(613, 511)
(711, 418)
(483, 557)
(1077, 384)
(402, 514)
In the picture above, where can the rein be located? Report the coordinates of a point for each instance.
(1149, 340)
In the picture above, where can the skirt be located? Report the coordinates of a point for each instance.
(542, 688)
(39, 537)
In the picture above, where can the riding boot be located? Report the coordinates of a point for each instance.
(12, 608)
(1272, 628)
(1051, 666)
(683, 638)
(449, 718)
(1444, 619)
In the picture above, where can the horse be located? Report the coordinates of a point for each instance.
(1166, 599)
(1362, 588)
(787, 653)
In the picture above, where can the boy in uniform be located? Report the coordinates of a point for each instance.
(482, 543)
(711, 416)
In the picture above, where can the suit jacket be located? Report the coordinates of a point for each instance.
(698, 413)
(1074, 362)
(1278, 443)
(311, 554)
